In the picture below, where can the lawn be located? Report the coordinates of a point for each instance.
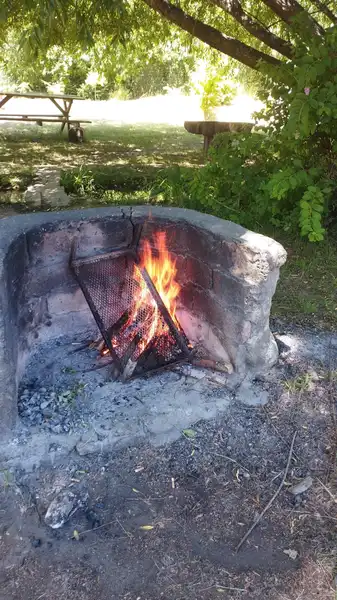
(125, 161)
(126, 151)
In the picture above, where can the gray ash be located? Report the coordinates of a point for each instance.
(56, 412)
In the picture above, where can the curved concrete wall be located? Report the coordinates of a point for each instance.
(227, 274)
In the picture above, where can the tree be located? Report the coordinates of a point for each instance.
(259, 26)
(256, 33)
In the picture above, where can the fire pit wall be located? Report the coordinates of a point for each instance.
(227, 275)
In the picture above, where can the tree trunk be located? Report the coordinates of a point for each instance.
(288, 10)
(325, 10)
(234, 8)
(211, 36)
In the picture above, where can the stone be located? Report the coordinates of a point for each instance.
(293, 554)
(31, 242)
(251, 394)
(33, 195)
(88, 444)
(36, 542)
(47, 412)
(301, 486)
(56, 428)
(54, 197)
(62, 507)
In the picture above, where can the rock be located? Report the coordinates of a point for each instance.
(36, 542)
(88, 443)
(293, 554)
(54, 448)
(55, 197)
(33, 195)
(62, 507)
(252, 394)
(47, 412)
(302, 486)
(56, 428)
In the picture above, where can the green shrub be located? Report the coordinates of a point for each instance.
(286, 174)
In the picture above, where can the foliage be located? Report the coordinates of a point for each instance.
(135, 48)
(215, 90)
(286, 174)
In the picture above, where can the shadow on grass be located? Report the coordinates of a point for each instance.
(23, 148)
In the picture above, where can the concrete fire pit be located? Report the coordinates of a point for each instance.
(227, 274)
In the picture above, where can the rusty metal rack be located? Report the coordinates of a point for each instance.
(109, 286)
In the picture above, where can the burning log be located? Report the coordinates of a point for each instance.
(128, 360)
(208, 363)
(112, 331)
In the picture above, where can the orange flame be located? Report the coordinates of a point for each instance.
(162, 271)
(144, 313)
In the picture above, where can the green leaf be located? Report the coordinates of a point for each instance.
(190, 433)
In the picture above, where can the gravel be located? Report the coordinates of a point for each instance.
(54, 412)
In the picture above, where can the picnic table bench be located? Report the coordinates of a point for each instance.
(210, 128)
(62, 117)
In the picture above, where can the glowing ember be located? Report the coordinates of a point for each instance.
(144, 317)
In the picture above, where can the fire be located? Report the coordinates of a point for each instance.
(144, 316)
(162, 271)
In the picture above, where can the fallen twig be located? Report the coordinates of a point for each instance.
(327, 490)
(257, 521)
(223, 587)
(232, 460)
(95, 528)
(278, 432)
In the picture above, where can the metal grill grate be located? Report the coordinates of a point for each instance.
(112, 283)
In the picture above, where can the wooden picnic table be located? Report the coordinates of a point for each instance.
(63, 116)
(210, 128)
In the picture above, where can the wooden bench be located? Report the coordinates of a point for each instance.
(41, 118)
(210, 128)
(63, 117)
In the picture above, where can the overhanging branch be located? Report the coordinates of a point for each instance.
(234, 8)
(325, 10)
(288, 10)
(213, 37)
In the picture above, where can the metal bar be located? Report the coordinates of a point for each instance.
(93, 309)
(166, 367)
(87, 260)
(137, 231)
(165, 313)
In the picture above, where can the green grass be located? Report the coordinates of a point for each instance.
(115, 152)
(307, 290)
(123, 162)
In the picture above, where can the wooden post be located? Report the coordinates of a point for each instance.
(5, 99)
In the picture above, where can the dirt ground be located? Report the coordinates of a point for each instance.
(163, 523)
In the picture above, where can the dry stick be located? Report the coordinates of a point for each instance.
(232, 460)
(278, 433)
(327, 490)
(257, 521)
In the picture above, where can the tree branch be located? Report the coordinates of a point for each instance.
(213, 37)
(234, 8)
(287, 10)
(325, 10)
